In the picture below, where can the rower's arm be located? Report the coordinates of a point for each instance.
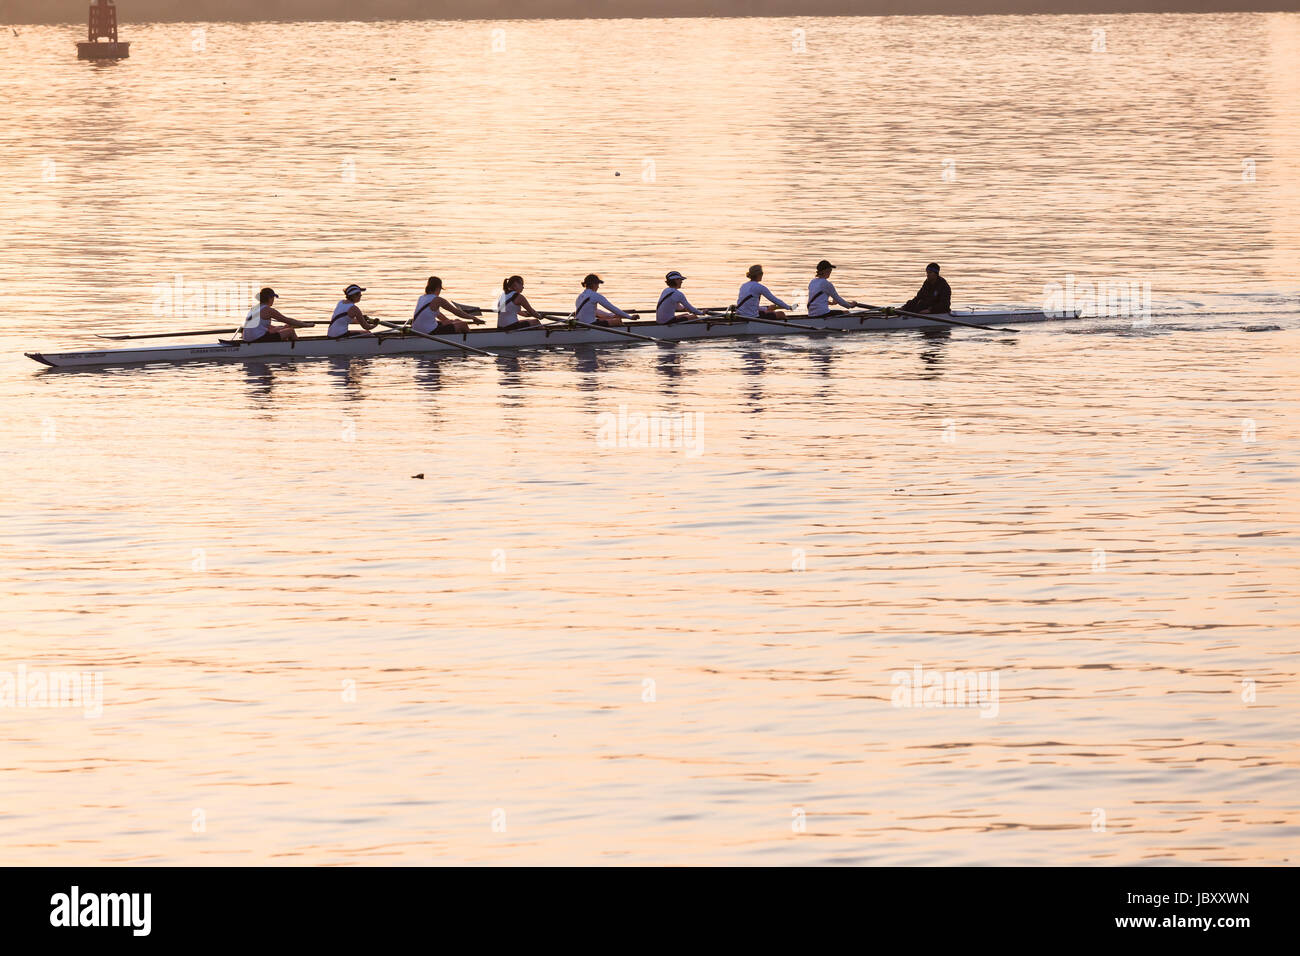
(684, 306)
(775, 301)
(612, 307)
(471, 310)
(835, 297)
(453, 308)
(277, 315)
(526, 307)
(921, 301)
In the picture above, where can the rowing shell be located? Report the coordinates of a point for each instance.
(225, 350)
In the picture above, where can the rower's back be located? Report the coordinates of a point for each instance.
(339, 319)
(426, 317)
(507, 308)
(940, 295)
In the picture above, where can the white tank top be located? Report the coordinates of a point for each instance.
(339, 320)
(254, 325)
(426, 317)
(507, 309)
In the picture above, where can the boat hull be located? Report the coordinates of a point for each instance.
(491, 338)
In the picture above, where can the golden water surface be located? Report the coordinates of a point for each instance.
(553, 649)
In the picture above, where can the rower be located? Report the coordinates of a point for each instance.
(935, 295)
(257, 324)
(428, 316)
(821, 293)
(673, 307)
(511, 302)
(585, 308)
(346, 312)
(751, 295)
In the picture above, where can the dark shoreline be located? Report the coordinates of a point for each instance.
(19, 12)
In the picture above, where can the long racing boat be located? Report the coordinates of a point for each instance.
(558, 334)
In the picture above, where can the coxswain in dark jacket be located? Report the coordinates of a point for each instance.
(935, 295)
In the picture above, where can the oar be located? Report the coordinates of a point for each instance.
(652, 312)
(525, 328)
(471, 310)
(787, 325)
(601, 328)
(174, 335)
(888, 310)
(702, 308)
(436, 338)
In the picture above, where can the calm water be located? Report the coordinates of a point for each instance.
(552, 651)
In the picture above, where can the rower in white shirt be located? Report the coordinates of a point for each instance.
(585, 307)
(749, 298)
(673, 306)
(259, 324)
(821, 293)
(428, 317)
(511, 302)
(347, 312)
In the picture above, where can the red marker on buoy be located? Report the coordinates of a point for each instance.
(103, 25)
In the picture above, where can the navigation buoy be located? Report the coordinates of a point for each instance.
(103, 25)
